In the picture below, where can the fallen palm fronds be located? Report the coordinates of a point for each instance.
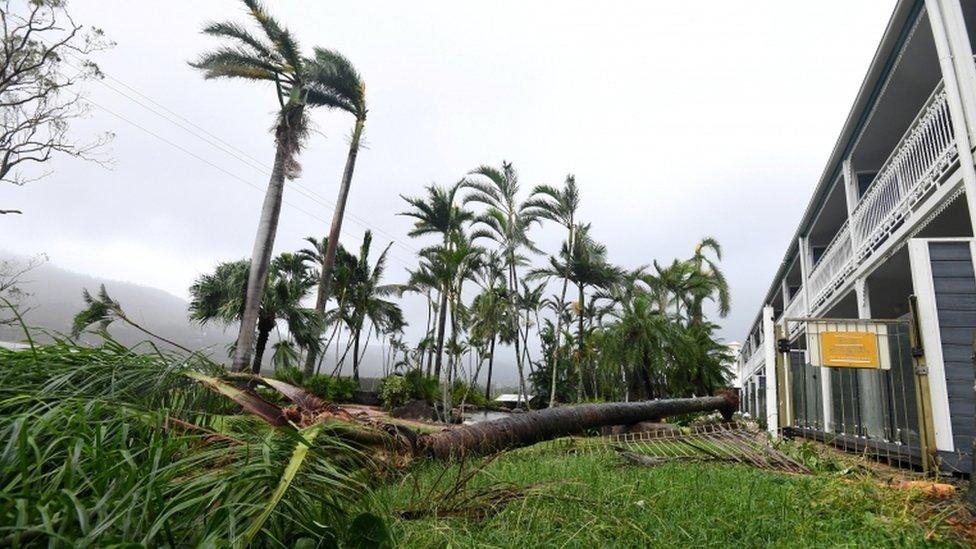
(104, 446)
(732, 443)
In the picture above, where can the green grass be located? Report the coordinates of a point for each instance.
(597, 501)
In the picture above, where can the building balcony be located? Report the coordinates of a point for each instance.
(920, 162)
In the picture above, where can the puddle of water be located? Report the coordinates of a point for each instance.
(477, 416)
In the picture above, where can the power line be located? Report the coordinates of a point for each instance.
(240, 155)
(218, 167)
(234, 152)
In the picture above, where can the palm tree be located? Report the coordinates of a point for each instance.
(506, 222)
(342, 276)
(587, 266)
(490, 320)
(715, 286)
(639, 340)
(438, 214)
(451, 265)
(221, 296)
(101, 309)
(334, 82)
(530, 302)
(366, 301)
(423, 281)
(275, 57)
(559, 206)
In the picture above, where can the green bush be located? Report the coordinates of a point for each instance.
(394, 391)
(333, 389)
(422, 387)
(289, 374)
(475, 396)
(344, 389)
(321, 386)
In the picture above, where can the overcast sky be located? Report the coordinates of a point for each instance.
(679, 120)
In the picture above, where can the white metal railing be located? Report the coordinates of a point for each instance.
(916, 165)
(834, 264)
(755, 361)
(908, 174)
(797, 308)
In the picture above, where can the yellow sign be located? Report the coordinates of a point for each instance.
(849, 349)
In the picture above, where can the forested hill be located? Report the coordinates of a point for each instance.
(56, 297)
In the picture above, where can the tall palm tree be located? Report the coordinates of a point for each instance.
(423, 281)
(451, 265)
(438, 214)
(587, 267)
(715, 286)
(221, 296)
(334, 81)
(530, 302)
(342, 274)
(560, 206)
(490, 318)
(367, 301)
(507, 222)
(272, 56)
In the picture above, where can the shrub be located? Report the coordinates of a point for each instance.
(321, 386)
(289, 374)
(394, 391)
(421, 387)
(474, 395)
(344, 389)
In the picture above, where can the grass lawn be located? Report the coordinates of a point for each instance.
(596, 500)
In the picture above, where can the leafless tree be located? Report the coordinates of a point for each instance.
(12, 272)
(44, 62)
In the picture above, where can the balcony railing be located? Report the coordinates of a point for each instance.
(834, 265)
(797, 308)
(916, 166)
(919, 162)
(755, 361)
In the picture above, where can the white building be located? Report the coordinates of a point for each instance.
(891, 217)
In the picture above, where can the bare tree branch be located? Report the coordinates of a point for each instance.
(44, 60)
(12, 272)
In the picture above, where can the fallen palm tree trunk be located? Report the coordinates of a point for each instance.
(537, 426)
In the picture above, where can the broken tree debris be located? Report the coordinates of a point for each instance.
(731, 443)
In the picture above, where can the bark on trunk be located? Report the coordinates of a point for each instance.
(264, 331)
(559, 315)
(513, 283)
(536, 426)
(355, 357)
(579, 346)
(491, 363)
(441, 325)
(261, 257)
(325, 276)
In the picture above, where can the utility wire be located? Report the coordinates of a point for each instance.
(208, 137)
(236, 153)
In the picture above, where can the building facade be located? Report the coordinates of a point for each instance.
(890, 221)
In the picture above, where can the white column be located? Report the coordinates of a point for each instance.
(785, 288)
(942, 25)
(769, 350)
(962, 58)
(804, 252)
(850, 185)
(851, 197)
